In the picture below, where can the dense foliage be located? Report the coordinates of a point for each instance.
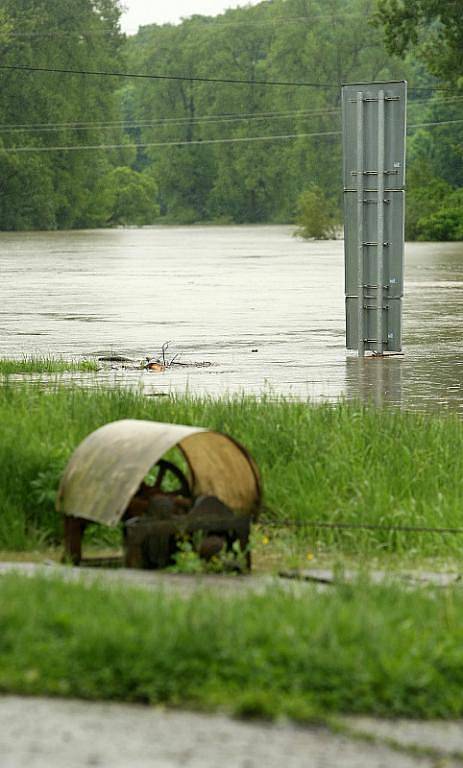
(195, 161)
(433, 31)
(432, 28)
(285, 40)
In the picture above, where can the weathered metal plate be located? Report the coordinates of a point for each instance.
(394, 133)
(392, 325)
(393, 253)
(374, 128)
(107, 468)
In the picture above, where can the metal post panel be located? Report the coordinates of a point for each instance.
(395, 96)
(374, 126)
(391, 327)
(393, 270)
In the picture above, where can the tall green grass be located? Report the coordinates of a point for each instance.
(37, 364)
(319, 462)
(352, 649)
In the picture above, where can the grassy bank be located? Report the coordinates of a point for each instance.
(319, 463)
(380, 650)
(33, 364)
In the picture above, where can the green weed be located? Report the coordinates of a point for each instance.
(326, 463)
(31, 364)
(350, 649)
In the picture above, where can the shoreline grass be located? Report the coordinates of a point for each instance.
(46, 364)
(349, 463)
(352, 649)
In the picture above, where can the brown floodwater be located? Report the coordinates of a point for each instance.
(218, 294)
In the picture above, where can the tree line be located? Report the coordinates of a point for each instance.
(194, 161)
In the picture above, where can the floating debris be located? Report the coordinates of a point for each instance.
(115, 359)
(154, 365)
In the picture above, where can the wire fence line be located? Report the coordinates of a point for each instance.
(358, 526)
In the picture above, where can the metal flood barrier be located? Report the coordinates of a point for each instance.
(374, 125)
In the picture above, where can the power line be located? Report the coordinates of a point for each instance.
(195, 142)
(443, 88)
(279, 20)
(167, 123)
(223, 117)
(431, 101)
(231, 140)
(435, 122)
(68, 33)
(204, 22)
(229, 81)
(194, 79)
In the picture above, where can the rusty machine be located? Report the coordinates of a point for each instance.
(119, 476)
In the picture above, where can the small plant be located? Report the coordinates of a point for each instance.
(232, 560)
(43, 491)
(186, 559)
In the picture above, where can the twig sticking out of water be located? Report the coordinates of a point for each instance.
(161, 363)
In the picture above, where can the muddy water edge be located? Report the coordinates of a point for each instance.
(264, 309)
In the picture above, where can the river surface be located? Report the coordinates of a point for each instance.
(265, 309)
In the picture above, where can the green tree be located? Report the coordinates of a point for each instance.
(325, 41)
(433, 29)
(57, 109)
(445, 222)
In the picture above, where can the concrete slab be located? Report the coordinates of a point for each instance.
(176, 583)
(52, 733)
(445, 737)
(407, 578)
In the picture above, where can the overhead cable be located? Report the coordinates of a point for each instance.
(231, 140)
(206, 119)
(195, 142)
(166, 121)
(435, 122)
(192, 79)
(196, 79)
(213, 118)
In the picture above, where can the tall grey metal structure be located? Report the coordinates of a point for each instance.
(374, 125)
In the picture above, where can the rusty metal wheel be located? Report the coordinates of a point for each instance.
(166, 468)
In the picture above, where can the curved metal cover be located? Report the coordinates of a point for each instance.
(107, 468)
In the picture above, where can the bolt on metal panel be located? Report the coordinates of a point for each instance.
(374, 116)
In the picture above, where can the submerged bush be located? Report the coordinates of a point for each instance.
(316, 217)
(446, 222)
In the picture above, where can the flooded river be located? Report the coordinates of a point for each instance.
(265, 309)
